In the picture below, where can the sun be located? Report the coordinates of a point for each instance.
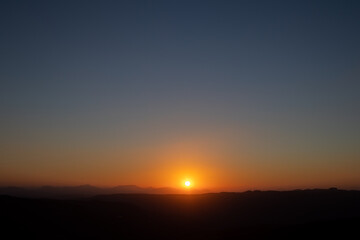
(187, 183)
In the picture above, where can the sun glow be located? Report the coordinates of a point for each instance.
(187, 183)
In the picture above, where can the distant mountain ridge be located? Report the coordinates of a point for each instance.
(294, 214)
(87, 191)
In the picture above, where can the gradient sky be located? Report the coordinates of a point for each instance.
(230, 94)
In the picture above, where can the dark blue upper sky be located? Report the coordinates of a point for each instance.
(274, 79)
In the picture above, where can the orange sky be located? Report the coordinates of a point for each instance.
(234, 95)
(207, 163)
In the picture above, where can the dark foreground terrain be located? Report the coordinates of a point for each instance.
(307, 214)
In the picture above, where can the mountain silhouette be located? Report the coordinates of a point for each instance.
(87, 191)
(301, 214)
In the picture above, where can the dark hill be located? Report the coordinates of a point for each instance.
(250, 215)
(69, 192)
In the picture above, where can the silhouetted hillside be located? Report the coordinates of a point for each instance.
(250, 215)
(86, 191)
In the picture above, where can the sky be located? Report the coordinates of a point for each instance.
(232, 95)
